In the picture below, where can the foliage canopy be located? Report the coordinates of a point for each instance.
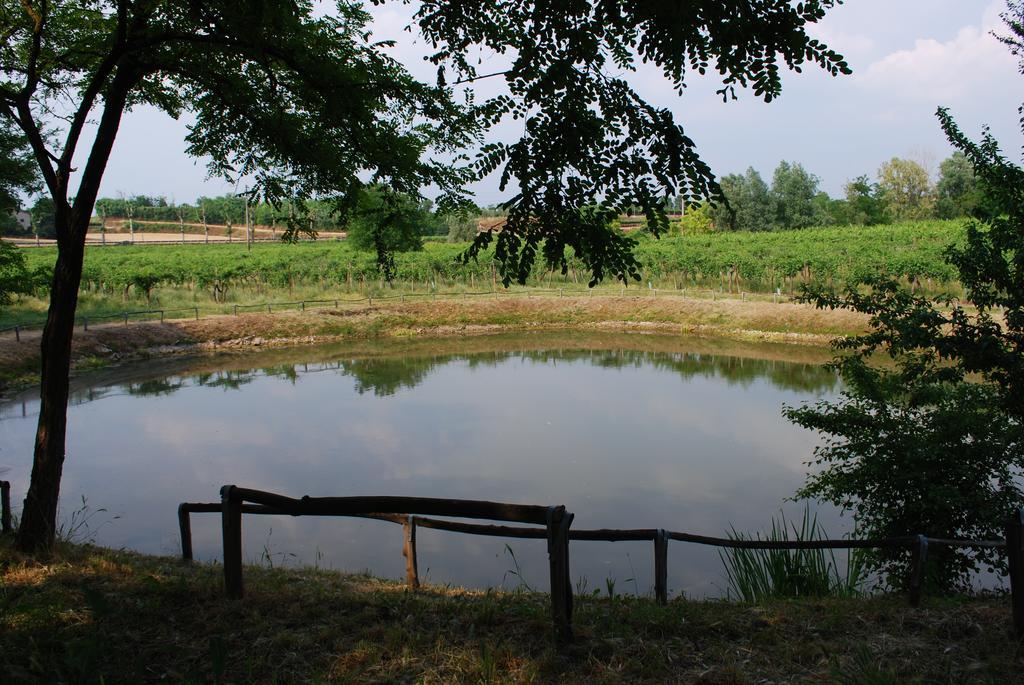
(935, 444)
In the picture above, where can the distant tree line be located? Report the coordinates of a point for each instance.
(902, 191)
(320, 215)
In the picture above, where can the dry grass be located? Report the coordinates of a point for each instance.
(729, 319)
(94, 615)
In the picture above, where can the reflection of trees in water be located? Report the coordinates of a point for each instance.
(387, 375)
(228, 380)
(384, 376)
(154, 387)
(733, 370)
(287, 371)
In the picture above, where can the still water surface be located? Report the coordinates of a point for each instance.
(627, 431)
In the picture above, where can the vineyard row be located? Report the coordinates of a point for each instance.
(735, 261)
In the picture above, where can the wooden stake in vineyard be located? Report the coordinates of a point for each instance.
(131, 222)
(206, 229)
(248, 226)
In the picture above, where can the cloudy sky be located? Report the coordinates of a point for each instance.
(908, 57)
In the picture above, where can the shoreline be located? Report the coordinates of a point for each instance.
(796, 325)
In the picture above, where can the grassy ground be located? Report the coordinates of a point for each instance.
(92, 615)
(30, 311)
(735, 319)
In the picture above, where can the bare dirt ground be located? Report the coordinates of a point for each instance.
(750, 322)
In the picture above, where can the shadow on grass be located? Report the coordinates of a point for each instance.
(93, 615)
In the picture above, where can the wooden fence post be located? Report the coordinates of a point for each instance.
(1015, 556)
(231, 524)
(661, 566)
(5, 506)
(412, 577)
(919, 559)
(558, 522)
(185, 528)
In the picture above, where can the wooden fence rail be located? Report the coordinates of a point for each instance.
(401, 512)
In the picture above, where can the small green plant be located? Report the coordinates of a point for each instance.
(268, 554)
(755, 575)
(78, 529)
(516, 571)
(863, 668)
(488, 669)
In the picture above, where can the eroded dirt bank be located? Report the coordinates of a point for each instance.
(730, 319)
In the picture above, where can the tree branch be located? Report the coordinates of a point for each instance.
(22, 116)
(479, 78)
(116, 97)
(82, 113)
(39, 19)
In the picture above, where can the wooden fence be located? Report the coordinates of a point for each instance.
(555, 521)
(417, 512)
(410, 513)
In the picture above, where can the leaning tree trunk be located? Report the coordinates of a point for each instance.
(39, 516)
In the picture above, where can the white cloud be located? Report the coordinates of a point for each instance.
(946, 72)
(191, 434)
(853, 46)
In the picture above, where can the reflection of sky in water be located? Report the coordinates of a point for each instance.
(623, 439)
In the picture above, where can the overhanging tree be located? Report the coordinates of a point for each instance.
(300, 103)
(305, 106)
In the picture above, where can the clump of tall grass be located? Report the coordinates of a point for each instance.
(755, 575)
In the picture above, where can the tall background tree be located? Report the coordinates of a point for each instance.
(794, 191)
(906, 190)
(303, 105)
(865, 205)
(748, 205)
(958, 192)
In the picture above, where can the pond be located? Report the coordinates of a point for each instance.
(626, 430)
